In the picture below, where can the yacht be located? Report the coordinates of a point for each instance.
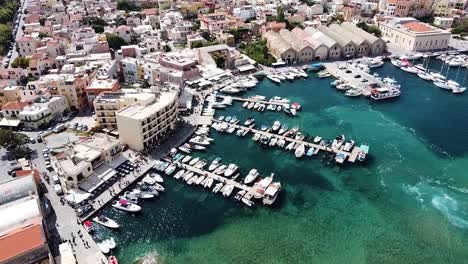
(396, 63)
(192, 180)
(200, 180)
(188, 175)
(271, 193)
(425, 76)
(300, 151)
(215, 164)
(272, 142)
(208, 182)
(105, 221)
(280, 142)
(442, 84)
(245, 104)
(168, 171)
(186, 159)
(253, 174)
(375, 63)
(249, 121)
(194, 161)
(199, 140)
(348, 145)
(149, 180)
(220, 170)
(261, 186)
(276, 126)
(384, 93)
(217, 187)
(139, 194)
(230, 170)
(230, 90)
(125, 205)
(158, 187)
(290, 146)
(274, 78)
(250, 105)
(317, 139)
(353, 93)
(283, 129)
(185, 149)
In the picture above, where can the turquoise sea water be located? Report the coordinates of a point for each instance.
(408, 203)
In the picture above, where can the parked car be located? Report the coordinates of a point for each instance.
(58, 189)
(357, 76)
(55, 179)
(348, 71)
(49, 167)
(364, 80)
(59, 128)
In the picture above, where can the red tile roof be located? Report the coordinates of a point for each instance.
(14, 106)
(35, 173)
(150, 11)
(418, 27)
(21, 240)
(24, 39)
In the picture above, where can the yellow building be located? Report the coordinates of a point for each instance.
(73, 88)
(441, 8)
(9, 94)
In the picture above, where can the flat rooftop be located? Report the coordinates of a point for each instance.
(142, 112)
(104, 84)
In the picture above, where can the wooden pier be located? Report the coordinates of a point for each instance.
(321, 146)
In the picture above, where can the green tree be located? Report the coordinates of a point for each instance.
(339, 18)
(21, 62)
(219, 60)
(461, 28)
(115, 42)
(280, 14)
(258, 51)
(127, 6)
(98, 28)
(43, 35)
(370, 29)
(5, 37)
(14, 143)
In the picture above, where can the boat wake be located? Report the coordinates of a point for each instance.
(450, 207)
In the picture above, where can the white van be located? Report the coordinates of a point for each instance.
(58, 189)
(59, 128)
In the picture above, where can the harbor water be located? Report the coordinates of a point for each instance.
(408, 203)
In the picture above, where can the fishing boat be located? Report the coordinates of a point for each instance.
(214, 164)
(300, 151)
(193, 161)
(105, 221)
(179, 174)
(317, 139)
(228, 190)
(220, 170)
(253, 174)
(217, 187)
(230, 170)
(261, 186)
(186, 159)
(271, 193)
(276, 126)
(125, 205)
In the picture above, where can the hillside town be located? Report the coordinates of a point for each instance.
(94, 94)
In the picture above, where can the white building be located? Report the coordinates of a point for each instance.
(44, 111)
(143, 126)
(443, 22)
(412, 35)
(244, 12)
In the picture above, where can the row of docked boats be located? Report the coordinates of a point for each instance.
(350, 90)
(436, 78)
(286, 74)
(107, 245)
(276, 103)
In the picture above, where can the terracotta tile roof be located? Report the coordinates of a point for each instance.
(21, 240)
(14, 106)
(150, 11)
(418, 27)
(24, 39)
(391, 1)
(35, 173)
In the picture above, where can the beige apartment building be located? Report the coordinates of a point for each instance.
(73, 88)
(141, 126)
(412, 35)
(107, 104)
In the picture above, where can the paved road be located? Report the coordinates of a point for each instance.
(19, 31)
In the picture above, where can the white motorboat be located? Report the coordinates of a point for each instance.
(217, 187)
(168, 171)
(230, 90)
(103, 247)
(253, 174)
(197, 147)
(199, 180)
(396, 63)
(228, 190)
(200, 164)
(384, 93)
(249, 121)
(125, 205)
(271, 193)
(276, 126)
(220, 170)
(149, 180)
(215, 164)
(179, 174)
(261, 186)
(187, 176)
(240, 194)
(192, 180)
(409, 69)
(290, 146)
(247, 201)
(245, 104)
(317, 139)
(457, 90)
(186, 159)
(250, 105)
(158, 187)
(230, 170)
(199, 140)
(300, 151)
(110, 243)
(348, 145)
(280, 142)
(208, 182)
(412, 56)
(185, 149)
(340, 158)
(194, 161)
(139, 194)
(353, 93)
(105, 221)
(338, 141)
(274, 78)
(375, 63)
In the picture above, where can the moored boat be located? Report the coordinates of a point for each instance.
(105, 221)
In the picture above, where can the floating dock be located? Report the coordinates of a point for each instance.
(254, 100)
(350, 156)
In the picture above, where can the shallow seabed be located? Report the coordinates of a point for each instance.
(407, 204)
